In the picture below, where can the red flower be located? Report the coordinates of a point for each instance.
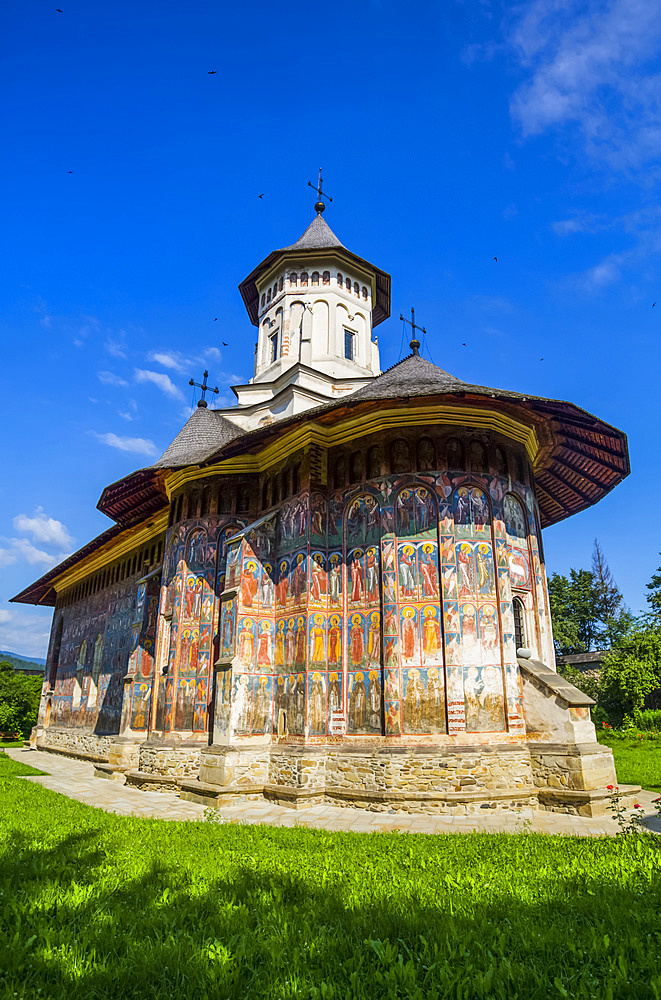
(637, 805)
(610, 787)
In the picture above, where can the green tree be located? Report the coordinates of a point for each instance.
(631, 670)
(574, 611)
(654, 596)
(19, 700)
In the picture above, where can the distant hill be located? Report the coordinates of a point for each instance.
(19, 662)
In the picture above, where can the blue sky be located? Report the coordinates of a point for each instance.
(449, 133)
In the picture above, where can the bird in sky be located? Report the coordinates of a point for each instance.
(653, 304)
(463, 345)
(71, 171)
(215, 319)
(58, 11)
(541, 359)
(496, 259)
(210, 72)
(260, 195)
(223, 343)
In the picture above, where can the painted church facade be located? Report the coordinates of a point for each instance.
(335, 590)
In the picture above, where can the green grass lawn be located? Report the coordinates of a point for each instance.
(94, 905)
(637, 761)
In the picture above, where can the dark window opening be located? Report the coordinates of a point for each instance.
(519, 623)
(348, 345)
(274, 348)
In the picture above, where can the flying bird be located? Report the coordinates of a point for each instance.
(210, 72)
(58, 11)
(541, 359)
(71, 171)
(496, 259)
(463, 345)
(223, 343)
(653, 304)
(215, 319)
(260, 195)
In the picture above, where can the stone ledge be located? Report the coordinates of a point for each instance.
(110, 771)
(484, 795)
(91, 758)
(153, 782)
(593, 802)
(555, 683)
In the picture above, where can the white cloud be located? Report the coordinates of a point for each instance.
(43, 529)
(161, 380)
(25, 632)
(168, 359)
(21, 550)
(140, 446)
(592, 64)
(116, 346)
(109, 378)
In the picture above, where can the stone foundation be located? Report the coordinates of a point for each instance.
(163, 764)
(74, 743)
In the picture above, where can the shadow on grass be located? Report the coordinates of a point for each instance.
(128, 908)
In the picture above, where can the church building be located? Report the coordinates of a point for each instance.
(334, 590)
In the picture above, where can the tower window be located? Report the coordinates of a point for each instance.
(315, 277)
(263, 299)
(347, 283)
(339, 279)
(274, 347)
(293, 278)
(304, 279)
(349, 347)
(364, 291)
(326, 278)
(356, 288)
(519, 623)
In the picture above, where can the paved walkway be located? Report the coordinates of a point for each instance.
(76, 779)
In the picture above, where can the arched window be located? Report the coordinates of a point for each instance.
(374, 460)
(347, 284)
(315, 277)
(339, 473)
(477, 455)
(455, 454)
(519, 623)
(364, 291)
(399, 456)
(55, 658)
(501, 462)
(304, 279)
(268, 297)
(339, 279)
(425, 454)
(326, 278)
(243, 500)
(356, 288)
(356, 467)
(293, 278)
(280, 283)
(263, 299)
(275, 289)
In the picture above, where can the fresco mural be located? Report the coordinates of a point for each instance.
(382, 611)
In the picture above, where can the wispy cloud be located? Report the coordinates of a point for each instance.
(16, 550)
(168, 359)
(43, 529)
(116, 345)
(139, 446)
(593, 65)
(109, 378)
(160, 380)
(23, 631)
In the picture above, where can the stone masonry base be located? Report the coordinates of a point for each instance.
(427, 778)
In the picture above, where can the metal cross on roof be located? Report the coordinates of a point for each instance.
(319, 207)
(415, 344)
(205, 388)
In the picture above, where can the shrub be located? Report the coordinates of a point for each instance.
(19, 701)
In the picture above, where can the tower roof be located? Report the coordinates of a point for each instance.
(320, 240)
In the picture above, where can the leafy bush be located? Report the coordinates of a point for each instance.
(588, 685)
(19, 701)
(631, 671)
(649, 719)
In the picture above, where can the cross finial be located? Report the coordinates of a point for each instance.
(202, 403)
(319, 207)
(415, 344)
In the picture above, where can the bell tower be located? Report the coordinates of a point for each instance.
(315, 305)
